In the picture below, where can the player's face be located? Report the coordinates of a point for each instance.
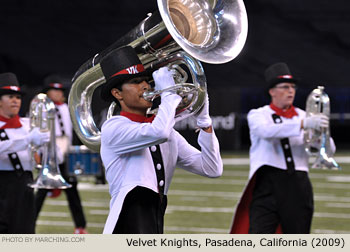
(56, 95)
(10, 105)
(131, 96)
(283, 95)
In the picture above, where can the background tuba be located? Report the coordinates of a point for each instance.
(317, 143)
(179, 35)
(42, 114)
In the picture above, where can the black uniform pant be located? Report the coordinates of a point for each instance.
(142, 213)
(73, 198)
(17, 215)
(281, 198)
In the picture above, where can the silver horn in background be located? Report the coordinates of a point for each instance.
(317, 143)
(179, 35)
(42, 114)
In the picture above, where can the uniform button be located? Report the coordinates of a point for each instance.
(289, 159)
(161, 183)
(18, 166)
(286, 146)
(159, 166)
(3, 134)
(153, 148)
(13, 155)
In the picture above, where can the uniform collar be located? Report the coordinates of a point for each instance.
(288, 113)
(11, 123)
(136, 117)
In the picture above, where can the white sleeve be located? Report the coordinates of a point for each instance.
(264, 127)
(207, 162)
(127, 137)
(14, 145)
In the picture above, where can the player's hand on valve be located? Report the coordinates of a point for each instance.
(163, 78)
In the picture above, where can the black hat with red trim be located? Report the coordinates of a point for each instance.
(278, 73)
(53, 81)
(9, 84)
(119, 66)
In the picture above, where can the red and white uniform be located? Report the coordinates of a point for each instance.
(266, 149)
(128, 161)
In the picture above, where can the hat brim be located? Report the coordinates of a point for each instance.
(9, 91)
(118, 81)
(44, 90)
(276, 81)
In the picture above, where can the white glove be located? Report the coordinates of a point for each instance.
(37, 137)
(316, 122)
(163, 78)
(203, 118)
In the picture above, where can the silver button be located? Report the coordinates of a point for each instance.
(161, 183)
(153, 148)
(3, 134)
(286, 146)
(159, 166)
(289, 159)
(18, 166)
(13, 155)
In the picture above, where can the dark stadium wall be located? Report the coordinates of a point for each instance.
(42, 37)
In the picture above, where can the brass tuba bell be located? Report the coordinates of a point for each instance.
(317, 142)
(42, 114)
(179, 35)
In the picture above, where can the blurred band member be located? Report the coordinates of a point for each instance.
(279, 193)
(17, 214)
(64, 130)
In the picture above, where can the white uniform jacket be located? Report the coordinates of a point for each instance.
(67, 123)
(265, 136)
(266, 149)
(128, 161)
(17, 143)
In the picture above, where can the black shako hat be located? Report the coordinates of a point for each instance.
(53, 81)
(9, 84)
(119, 66)
(277, 73)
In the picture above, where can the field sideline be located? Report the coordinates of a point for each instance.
(202, 205)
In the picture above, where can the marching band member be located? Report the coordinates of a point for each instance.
(139, 152)
(17, 214)
(278, 197)
(64, 131)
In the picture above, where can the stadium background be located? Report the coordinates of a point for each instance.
(42, 37)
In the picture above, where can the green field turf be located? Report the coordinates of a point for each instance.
(202, 205)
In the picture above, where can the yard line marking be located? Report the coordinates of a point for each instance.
(99, 212)
(206, 193)
(328, 231)
(223, 181)
(334, 185)
(338, 178)
(196, 230)
(209, 181)
(332, 215)
(245, 161)
(90, 186)
(166, 228)
(170, 209)
(67, 223)
(54, 214)
(338, 205)
(84, 203)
